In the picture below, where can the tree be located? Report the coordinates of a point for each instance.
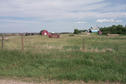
(119, 29)
(76, 31)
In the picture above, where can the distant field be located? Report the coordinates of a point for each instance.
(78, 57)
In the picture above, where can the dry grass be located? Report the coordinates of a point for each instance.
(97, 50)
(93, 43)
(8, 81)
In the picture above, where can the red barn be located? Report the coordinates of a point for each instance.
(44, 32)
(50, 35)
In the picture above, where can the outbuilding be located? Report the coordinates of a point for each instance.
(93, 29)
(53, 35)
(44, 32)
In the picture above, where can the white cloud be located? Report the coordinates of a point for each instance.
(80, 22)
(112, 14)
(18, 21)
(48, 9)
(108, 21)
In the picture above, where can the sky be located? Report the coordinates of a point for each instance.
(59, 15)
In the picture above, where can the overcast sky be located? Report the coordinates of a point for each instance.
(59, 15)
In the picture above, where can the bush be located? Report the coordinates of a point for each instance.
(76, 31)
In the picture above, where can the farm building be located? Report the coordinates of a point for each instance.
(44, 32)
(50, 35)
(94, 29)
(53, 35)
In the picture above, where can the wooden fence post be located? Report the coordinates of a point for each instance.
(22, 42)
(2, 41)
(83, 44)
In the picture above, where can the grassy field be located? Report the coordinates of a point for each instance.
(102, 59)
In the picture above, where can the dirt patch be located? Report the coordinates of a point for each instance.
(7, 81)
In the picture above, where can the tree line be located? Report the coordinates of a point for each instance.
(77, 31)
(114, 29)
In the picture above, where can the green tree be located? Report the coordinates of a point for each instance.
(76, 31)
(119, 29)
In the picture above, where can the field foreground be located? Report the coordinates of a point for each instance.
(70, 58)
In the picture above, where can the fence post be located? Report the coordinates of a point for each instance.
(2, 41)
(83, 44)
(22, 42)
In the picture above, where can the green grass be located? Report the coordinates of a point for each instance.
(65, 61)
